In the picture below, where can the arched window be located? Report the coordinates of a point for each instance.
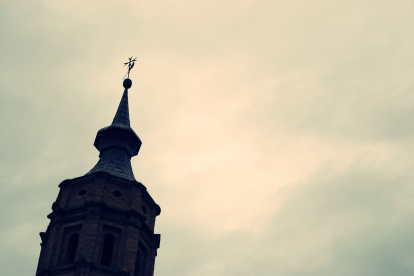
(108, 249)
(141, 261)
(138, 264)
(71, 248)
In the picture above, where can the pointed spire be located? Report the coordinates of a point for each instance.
(117, 143)
(122, 114)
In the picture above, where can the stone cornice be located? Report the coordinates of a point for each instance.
(113, 180)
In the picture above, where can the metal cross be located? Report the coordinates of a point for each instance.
(130, 64)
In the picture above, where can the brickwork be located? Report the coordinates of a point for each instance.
(93, 215)
(121, 202)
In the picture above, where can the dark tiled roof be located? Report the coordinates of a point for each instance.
(116, 160)
(122, 114)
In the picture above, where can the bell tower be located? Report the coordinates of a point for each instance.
(102, 223)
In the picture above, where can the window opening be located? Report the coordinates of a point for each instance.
(117, 193)
(138, 264)
(71, 248)
(141, 261)
(107, 249)
(83, 192)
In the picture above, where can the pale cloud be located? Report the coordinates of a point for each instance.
(276, 134)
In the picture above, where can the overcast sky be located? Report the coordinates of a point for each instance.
(278, 136)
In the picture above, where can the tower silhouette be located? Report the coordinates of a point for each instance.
(102, 223)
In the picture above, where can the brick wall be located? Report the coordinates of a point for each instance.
(88, 206)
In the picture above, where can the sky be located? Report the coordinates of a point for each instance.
(278, 136)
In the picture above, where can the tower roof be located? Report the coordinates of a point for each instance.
(117, 143)
(122, 114)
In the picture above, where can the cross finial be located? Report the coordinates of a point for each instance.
(130, 64)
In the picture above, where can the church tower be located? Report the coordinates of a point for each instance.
(102, 223)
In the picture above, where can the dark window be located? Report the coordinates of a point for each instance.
(144, 210)
(117, 193)
(108, 249)
(83, 192)
(141, 261)
(138, 264)
(71, 249)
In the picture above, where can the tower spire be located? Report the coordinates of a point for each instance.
(102, 223)
(122, 114)
(118, 142)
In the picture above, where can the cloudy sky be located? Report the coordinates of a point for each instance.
(278, 136)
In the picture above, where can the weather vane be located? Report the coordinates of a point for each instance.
(130, 64)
